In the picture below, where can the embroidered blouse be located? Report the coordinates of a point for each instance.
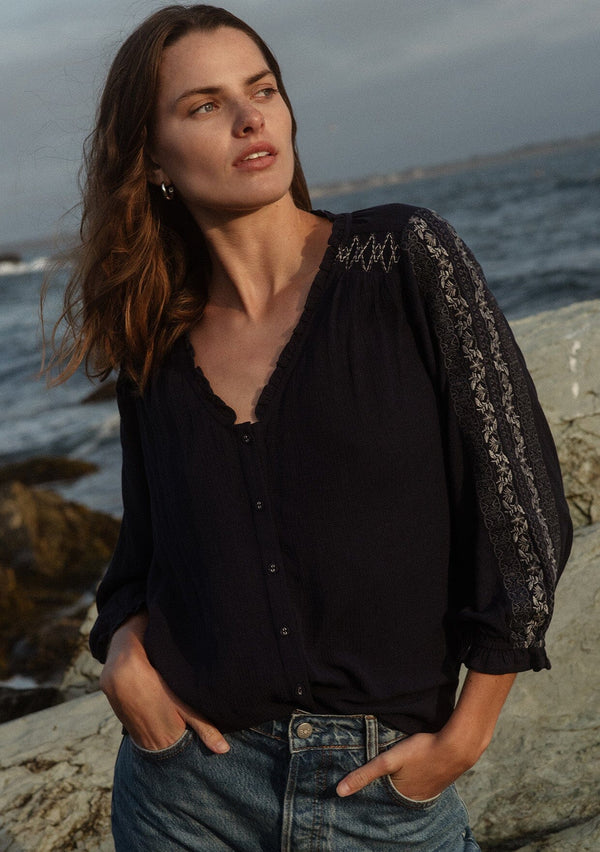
(395, 510)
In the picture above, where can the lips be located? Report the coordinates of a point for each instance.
(258, 153)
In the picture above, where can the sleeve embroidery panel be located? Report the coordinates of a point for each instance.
(492, 403)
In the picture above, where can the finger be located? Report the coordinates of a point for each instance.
(210, 736)
(359, 778)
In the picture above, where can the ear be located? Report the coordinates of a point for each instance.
(154, 173)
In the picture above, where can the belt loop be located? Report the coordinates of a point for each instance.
(372, 737)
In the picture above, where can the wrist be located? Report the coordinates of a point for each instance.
(464, 743)
(471, 725)
(129, 634)
(127, 643)
(126, 661)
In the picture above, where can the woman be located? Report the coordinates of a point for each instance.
(338, 484)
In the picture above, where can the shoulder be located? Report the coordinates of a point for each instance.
(404, 225)
(384, 217)
(383, 235)
(371, 237)
(395, 218)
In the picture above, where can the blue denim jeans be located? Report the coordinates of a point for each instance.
(274, 791)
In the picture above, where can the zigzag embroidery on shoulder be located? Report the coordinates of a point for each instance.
(369, 253)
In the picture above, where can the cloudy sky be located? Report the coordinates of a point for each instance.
(376, 86)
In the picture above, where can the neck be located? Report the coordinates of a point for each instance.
(257, 255)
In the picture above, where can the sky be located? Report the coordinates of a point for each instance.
(376, 86)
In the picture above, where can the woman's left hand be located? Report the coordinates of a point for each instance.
(423, 765)
(420, 766)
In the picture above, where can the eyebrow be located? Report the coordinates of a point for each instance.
(214, 90)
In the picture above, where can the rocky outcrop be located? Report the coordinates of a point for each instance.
(52, 552)
(539, 781)
(578, 838)
(106, 390)
(44, 469)
(81, 676)
(562, 349)
(16, 702)
(56, 776)
(536, 789)
(10, 257)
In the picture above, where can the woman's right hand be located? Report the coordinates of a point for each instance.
(153, 716)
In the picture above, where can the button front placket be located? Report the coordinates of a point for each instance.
(252, 453)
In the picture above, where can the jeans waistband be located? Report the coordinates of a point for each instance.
(317, 731)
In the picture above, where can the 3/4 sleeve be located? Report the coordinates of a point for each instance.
(122, 591)
(512, 530)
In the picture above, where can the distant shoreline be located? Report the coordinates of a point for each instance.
(345, 187)
(47, 245)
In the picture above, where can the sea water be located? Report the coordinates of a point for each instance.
(533, 223)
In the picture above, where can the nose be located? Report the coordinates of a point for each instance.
(248, 119)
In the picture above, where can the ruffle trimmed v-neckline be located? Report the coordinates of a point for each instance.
(275, 381)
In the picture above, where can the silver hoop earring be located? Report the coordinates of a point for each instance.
(167, 191)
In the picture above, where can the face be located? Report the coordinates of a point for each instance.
(222, 133)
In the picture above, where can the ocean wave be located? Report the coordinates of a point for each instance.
(24, 267)
(106, 431)
(20, 682)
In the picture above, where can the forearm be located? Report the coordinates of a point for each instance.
(471, 725)
(126, 649)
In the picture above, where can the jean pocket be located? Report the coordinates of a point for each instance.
(163, 753)
(414, 804)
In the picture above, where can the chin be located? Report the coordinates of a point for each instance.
(256, 196)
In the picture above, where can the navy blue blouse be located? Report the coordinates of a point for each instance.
(395, 510)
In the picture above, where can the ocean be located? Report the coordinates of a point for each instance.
(533, 222)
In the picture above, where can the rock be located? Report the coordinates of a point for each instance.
(540, 777)
(55, 778)
(106, 390)
(49, 644)
(81, 677)
(42, 469)
(562, 349)
(10, 257)
(537, 787)
(52, 552)
(19, 702)
(578, 838)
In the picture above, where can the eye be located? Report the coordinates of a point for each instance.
(267, 92)
(204, 109)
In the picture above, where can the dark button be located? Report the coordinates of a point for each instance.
(247, 438)
(259, 505)
(284, 631)
(299, 689)
(273, 568)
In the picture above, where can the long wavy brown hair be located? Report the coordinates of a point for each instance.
(138, 276)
